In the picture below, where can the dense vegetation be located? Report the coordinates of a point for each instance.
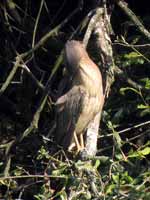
(32, 37)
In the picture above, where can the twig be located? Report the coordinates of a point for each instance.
(138, 136)
(2, 146)
(32, 176)
(7, 166)
(41, 42)
(11, 75)
(131, 45)
(51, 33)
(34, 123)
(137, 51)
(91, 25)
(58, 12)
(119, 72)
(127, 129)
(133, 138)
(133, 17)
(36, 23)
(38, 83)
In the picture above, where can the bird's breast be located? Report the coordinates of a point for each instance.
(89, 77)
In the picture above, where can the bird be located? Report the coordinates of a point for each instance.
(79, 105)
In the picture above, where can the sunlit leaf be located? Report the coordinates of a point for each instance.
(141, 106)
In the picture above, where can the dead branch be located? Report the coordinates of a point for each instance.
(38, 83)
(124, 6)
(11, 75)
(91, 25)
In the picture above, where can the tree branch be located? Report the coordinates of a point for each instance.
(133, 18)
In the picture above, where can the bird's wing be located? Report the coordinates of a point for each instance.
(68, 109)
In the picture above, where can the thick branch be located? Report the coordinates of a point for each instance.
(105, 48)
(91, 25)
(93, 128)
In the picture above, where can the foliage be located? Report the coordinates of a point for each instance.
(32, 167)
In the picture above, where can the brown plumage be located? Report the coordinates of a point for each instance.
(77, 108)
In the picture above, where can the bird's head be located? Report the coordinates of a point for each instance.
(74, 51)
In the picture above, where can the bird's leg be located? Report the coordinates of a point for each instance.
(81, 141)
(77, 142)
(72, 146)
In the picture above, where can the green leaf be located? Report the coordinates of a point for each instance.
(132, 55)
(115, 134)
(97, 164)
(63, 195)
(59, 171)
(145, 112)
(140, 153)
(145, 151)
(115, 178)
(110, 188)
(147, 85)
(147, 82)
(141, 106)
(133, 58)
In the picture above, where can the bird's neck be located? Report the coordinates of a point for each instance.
(90, 78)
